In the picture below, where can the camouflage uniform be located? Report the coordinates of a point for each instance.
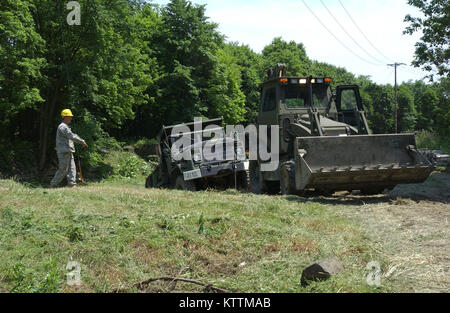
(65, 149)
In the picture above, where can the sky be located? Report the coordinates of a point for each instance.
(256, 22)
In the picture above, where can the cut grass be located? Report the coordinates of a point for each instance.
(122, 233)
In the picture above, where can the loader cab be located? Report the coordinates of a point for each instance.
(348, 104)
(350, 109)
(269, 104)
(291, 95)
(298, 94)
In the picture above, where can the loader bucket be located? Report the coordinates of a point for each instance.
(336, 163)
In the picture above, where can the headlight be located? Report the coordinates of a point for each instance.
(197, 158)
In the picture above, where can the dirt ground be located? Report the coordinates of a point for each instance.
(410, 228)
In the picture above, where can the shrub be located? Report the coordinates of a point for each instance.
(128, 165)
(432, 141)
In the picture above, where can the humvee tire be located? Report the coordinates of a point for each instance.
(152, 179)
(182, 184)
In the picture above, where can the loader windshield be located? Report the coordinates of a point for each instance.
(296, 96)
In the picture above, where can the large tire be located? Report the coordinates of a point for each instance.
(243, 181)
(287, 178)
(257, 184)
(182, 184)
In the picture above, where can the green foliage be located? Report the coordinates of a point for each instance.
(340, 75)
(52, 279)
(407, 114)
(145, 148)
(17, 157)
(432, 141)
(24, 280)
(225, 93)
(442, 112)
(380, 108)
(433, 50)
(127, 165)
(290, 53)
(250, 67)
(74, 233)
(99, 144)
(21, 60)
(425, 100)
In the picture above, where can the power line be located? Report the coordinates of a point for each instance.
(363, 33)
(390, 73)
(337, 39)
(345, 31)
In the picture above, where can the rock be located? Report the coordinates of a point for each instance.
(321, 270)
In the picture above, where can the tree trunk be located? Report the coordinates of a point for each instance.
(46, 121)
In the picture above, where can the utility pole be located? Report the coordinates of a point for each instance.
(395, 93)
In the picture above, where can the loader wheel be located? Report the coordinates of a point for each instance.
(182, 184)
(372, 191)
(243, 181)
(287, 178)
(257, 184)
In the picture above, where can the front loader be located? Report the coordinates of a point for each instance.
(325, 142)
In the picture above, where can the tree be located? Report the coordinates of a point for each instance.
(224, 93)
(47, 65)
(186, 48)
(250, 66)
(433, 49)
(407, 114)
(21, 66)
(426, 101)
(339, 75)
(443, 108)
(290, 53)
(381, 110)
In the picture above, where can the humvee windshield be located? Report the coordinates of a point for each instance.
(296, 96)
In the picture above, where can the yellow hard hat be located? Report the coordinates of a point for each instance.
(66, 112)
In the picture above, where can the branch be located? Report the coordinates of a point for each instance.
(208, 287)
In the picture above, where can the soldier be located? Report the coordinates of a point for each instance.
(65, 149)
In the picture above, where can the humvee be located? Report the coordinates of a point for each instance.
(201, 170)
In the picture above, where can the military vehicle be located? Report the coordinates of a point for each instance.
(202, 170)
(325, 143)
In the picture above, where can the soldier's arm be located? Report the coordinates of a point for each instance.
(69, 135)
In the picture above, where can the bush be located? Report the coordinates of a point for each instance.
(128, 165)
(99, 145)
(432, 141)
(17, 158)
(144, 147)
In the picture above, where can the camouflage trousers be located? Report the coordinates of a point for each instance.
(66, 167)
